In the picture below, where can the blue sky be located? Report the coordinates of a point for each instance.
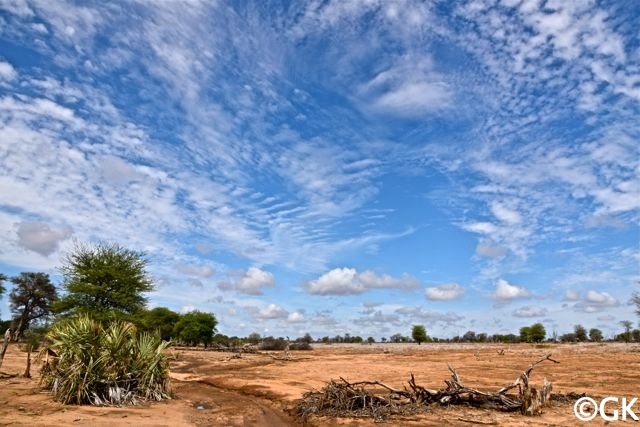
(333, 167)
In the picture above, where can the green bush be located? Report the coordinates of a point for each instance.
(91, 363)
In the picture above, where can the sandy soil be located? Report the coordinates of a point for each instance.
(210, 388)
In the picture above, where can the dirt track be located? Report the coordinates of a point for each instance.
(211, 389)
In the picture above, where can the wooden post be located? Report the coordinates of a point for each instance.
(7, 336)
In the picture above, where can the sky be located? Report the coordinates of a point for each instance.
(333, 167)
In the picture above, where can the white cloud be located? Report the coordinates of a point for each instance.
(272, 311)
(602, 298)
(430, 317)
(486, 249)
(118, 171)
(530, 311)
(40, 237)
(595, 301)
(505, 214)
(196, 270)
(415, 99)
(409, 88)
(506, 291)
(7, 72)
(347, 281)
(481, 228)
(571, 295)
(444, 292)
(250, 282)
(296, 317)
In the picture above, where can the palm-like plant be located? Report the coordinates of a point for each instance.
(104, 365)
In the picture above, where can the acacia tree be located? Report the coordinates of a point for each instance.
(635, 299)
(159, 319)
(31, 299)
(627, 325)
(595, 334)
(580, 333)
(195, 327)
(105, 281)
(537, 332)
(419, 334)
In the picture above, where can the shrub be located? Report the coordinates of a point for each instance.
(99, 364)
(300, 345)
(271, 343)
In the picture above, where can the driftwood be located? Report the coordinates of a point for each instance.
(378, 400)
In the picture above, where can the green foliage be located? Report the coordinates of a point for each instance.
(595, 335)
(33, 337)
(635, 300)
(537, 332)
(533, 333)
(419, 334)
(106, 281)
(104, 364)
(30, 300)
(580, 333)
(628, 326)
(195, 327)
(371, 340)
(159, 319)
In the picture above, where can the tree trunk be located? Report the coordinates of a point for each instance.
(27, 371)
(7, 335)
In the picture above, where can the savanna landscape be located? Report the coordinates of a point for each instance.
(319, 212)
(211, 388)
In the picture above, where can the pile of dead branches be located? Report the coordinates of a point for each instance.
(378, 400)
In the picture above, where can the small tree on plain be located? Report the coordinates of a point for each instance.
(580, 333)
(537, 332)
(419, 334)
(627, 325)
(525, 334)
(161, 319)
(196, 327)
(595, 335)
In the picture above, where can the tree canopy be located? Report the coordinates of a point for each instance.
(159, 319)
(31, 299)
(195, 327)
(104, 280)
(580, 333)
(595, 334)
(419, 334)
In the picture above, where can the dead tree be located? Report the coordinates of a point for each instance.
(376, 399)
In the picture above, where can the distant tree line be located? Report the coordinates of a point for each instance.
(108, 282)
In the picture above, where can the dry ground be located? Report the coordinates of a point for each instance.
(212, 389)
